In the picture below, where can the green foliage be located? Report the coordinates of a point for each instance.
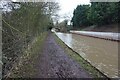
(80, 15)
(98, 13)
(103, 13)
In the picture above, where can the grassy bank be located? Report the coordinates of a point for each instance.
(86, 65)
(25, 68)
(103, 28)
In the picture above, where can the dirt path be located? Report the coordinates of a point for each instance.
(55, 63)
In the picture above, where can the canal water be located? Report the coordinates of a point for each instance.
(103, 54)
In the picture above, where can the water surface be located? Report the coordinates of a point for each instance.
(103, 54)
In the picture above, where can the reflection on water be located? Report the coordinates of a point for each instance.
(67, 38)
(102, 54)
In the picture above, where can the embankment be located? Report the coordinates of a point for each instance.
(103, 28)
(102, 35)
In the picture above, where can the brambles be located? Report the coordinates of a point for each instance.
(21, 25)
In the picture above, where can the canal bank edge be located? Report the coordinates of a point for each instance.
(99, 37)
(84, 63)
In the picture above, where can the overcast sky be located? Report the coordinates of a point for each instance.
(67, 7)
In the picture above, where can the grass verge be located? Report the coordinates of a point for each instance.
(25, 68)
(85, 64)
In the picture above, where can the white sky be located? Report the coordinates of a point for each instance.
(67, 7)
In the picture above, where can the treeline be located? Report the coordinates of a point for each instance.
(22, 22)
(97, 13)
(62, 26)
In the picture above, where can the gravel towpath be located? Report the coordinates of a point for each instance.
(55, 63)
